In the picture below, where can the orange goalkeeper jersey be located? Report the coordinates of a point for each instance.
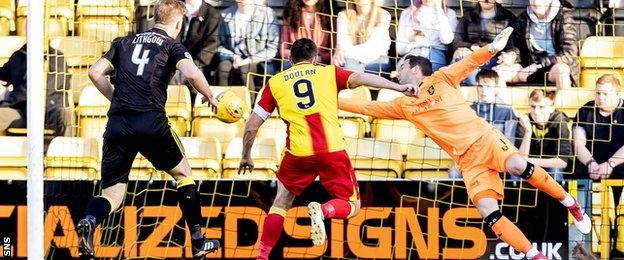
(306, 97)
(440, 111)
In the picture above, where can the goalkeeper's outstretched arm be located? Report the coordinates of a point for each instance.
(382, 110)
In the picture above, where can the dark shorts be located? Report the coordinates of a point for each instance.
(130, 132)
(540, 76)
(333, 169)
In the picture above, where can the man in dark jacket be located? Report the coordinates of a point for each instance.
(478, 27)
(547, 40)
(13, 108)
(200, 35)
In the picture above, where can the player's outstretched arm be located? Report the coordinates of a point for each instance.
(97, 74)
(251, 129)
(192, 73)
(382, 110)
(371, 80)
(457, 72)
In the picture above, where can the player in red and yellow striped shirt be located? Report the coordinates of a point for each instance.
(478, 148)
(306, 97)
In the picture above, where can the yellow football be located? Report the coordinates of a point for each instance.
(230, 108)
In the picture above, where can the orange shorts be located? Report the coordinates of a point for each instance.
(481, 164)
(333, 169)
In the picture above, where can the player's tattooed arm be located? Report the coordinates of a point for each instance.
(251, 129)
(371, 80)
(97, 74)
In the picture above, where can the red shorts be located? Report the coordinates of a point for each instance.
(334, 169)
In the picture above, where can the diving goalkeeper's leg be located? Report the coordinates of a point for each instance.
(487, 205)
(540, 179)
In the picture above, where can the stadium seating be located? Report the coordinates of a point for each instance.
(354, 125)
(178, 108)
(204, 157)
(80, 53)
(104, 20)
(402, 132)
(11, 44)
(205, 124)
(7, 17)
(601, 55)
(274, 128)
(426, 161)
(91, 112)
(264, 154)
(60, 20)
(375, 159)
(72, 158)
(13, 158)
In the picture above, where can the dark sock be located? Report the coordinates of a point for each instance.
(188, 199)
(98, 209)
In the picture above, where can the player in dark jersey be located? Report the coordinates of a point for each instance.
(143, 65)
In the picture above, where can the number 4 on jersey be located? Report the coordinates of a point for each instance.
(140, 61)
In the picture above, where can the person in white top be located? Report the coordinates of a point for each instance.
(363, 38)
(425, 29)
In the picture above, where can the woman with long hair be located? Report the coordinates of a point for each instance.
(425, 29)
(306, 19)
(363, 38)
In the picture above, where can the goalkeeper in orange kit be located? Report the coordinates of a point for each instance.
(478, 148)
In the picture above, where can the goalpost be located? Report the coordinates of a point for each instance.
(35, 119)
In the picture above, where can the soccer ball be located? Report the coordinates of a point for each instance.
(230, 108)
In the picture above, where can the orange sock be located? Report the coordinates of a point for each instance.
(541, 180)
(511, 234)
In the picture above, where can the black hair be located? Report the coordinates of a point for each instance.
(303, 49)
(423, 63)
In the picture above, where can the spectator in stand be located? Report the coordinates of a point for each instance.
(543, 135)
(249, 38)
(200, 36)
(599, 136)
(490, 107)
(306, 19)
(363, 38)
(548, 43)
(477, 28)
(13, 107)
(425, 29)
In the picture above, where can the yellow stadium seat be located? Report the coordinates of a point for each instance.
(13, 158)
(600, 55)
(79, 53)
(91, 111)
(142, 169)
(104, 20)
(60, 20)
(205, 124)
(570, 100)
(178, 108)
(375, 159)
(425, 161)
(11, 44)
(354, 125)
(397, 131)
(274, 128)
(7, 17)
(72, 158)
(204, 155)
(264, 154)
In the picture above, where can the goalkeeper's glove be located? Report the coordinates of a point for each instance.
(499, 43)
